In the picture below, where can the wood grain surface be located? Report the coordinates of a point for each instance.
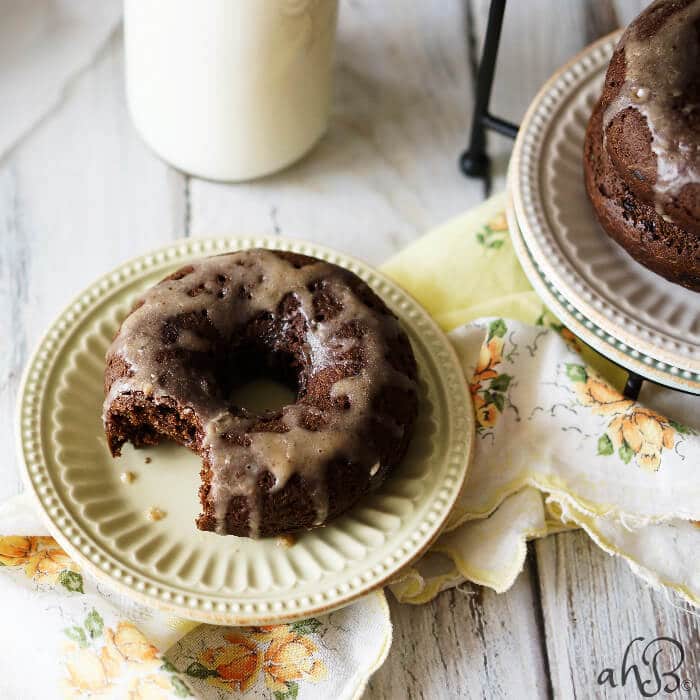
(81, 193)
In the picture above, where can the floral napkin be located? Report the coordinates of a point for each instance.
(67, 636)
(558, 446)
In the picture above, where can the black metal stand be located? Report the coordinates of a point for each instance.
(633, 385)
(475, 161)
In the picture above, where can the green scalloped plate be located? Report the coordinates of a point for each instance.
(169, 564)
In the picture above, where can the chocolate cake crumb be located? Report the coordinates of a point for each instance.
(154, 514)
(286, 541)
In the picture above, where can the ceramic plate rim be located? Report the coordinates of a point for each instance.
(659, 364)
(576, 320)
(199, 606)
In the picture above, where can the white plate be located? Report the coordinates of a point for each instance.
(171, 565)
(650, 325)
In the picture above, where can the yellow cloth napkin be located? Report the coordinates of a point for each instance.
(557, 446)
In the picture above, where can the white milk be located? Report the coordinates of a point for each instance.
(229, 89)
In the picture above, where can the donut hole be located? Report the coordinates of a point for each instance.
(262, 396)
(260, 382)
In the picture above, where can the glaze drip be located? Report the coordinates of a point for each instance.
(254, 302)
(662, 82)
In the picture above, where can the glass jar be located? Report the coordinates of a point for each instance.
(229, 89)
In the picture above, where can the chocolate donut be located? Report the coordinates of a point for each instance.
(642, 149)
(221, 321)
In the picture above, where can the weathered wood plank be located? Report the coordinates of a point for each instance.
(14, 293)
(538, 36)
(79, 195)
(468, 643)
(594, 607)
(627, 10)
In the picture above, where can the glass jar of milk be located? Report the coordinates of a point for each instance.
(229, 89)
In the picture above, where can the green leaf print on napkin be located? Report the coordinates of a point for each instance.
(71, 580)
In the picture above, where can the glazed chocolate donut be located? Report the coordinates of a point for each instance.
(642, 152)
(222, 321)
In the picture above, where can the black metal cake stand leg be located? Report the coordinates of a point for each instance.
(633, 386)
(475, 161)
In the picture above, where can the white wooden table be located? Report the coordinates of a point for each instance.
(80, 193)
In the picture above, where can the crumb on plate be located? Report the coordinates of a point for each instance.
(154, 513)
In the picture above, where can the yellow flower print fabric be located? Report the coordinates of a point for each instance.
(102, 661)
(283, 655)
(86, 639)
(90, 642)
(327, 657)
(634, 432)
(569, 456)
(488, 385)
(41, 560)
(558, 445)
(290, 654)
